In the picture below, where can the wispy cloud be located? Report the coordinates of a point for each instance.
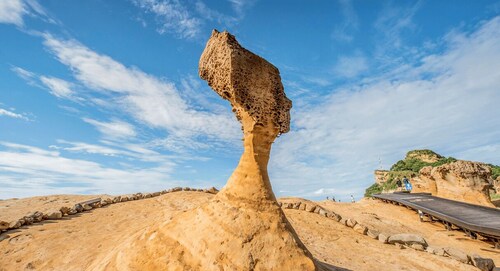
(344, 30)
(214, 15)
(58, 87)
(152, 101)
(240, 6)
(11, 114)
(350, 66)
(13, 11)
(48, 172)
(115, 129)
(172, 17)
(449, 104)
(392, 24)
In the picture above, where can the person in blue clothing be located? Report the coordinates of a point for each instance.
(407, 184)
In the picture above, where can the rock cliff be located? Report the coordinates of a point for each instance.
(462, 180)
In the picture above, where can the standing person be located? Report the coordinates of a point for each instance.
(333, 198)
(352, 199)
(327, 198)
(408, 185)
(399, 185)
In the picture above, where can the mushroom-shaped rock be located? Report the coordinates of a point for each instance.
(242, 227)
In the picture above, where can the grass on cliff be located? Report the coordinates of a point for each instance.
(494, 196)
(495, 171)
(373, 189)
(415, 164)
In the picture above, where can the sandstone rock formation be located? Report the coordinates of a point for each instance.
(242, 227)
(381, 176)
(462, 180)
(427, 156)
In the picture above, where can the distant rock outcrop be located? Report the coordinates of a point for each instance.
(462, 180)
(242, 227)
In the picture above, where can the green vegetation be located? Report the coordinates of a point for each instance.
(493, 196)
(373, 189)
(412, 163)
(393, 176)
(423, 152)
(495, 171)
(409, 167)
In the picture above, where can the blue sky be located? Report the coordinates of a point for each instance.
(103, 96)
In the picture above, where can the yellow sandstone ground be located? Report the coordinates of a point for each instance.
(80, 241)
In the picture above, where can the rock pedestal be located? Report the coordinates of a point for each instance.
(242, 227)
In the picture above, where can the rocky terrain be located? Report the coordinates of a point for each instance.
(89, 240)
(429, 172)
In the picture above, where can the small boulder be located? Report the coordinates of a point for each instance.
(323, 212)
(86, 207)
(16, 224)
(124, 199)
(418, 247)
(78, 207)
(296, 205)
(383, 238)
(351, 222)
(64, 210)
(407, 239)
(302, 206)
(400, 246)
(54, 215)
(483, 264)
(156, 194)
(117, 199)
(343, 221)
(147, 195)
(373, 233)
(37, 216)
(336, 217)
(360, 229)
(310, 208)
(4, 225)
(280, 203)
(213, 190)
(457, 254)
(72, 211)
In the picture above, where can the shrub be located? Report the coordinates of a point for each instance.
(373, 189)
(495, 171)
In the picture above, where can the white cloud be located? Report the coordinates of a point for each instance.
(148, 99)
(448, 103)
(115, 129)
(7, 113)
(240, 6)
(12, 11)
(213, 15)
(26, 75)
(47, 172)
(350, 66)
(344, 30)
(58, 87)
(172, 17)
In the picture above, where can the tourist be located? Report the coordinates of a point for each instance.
(352, 199)
(399, 185)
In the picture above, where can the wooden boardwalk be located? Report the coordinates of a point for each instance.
(473, 219)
